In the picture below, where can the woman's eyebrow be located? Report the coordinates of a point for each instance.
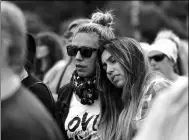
(110, 58)
(87, 46)
(107, 60)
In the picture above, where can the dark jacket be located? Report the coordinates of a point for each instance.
(62, 106)
(23, 117)
(41, 91)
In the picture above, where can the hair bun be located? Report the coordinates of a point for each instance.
(104, 19)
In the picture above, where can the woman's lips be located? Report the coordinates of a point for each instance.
(80, 67)
(113, 77)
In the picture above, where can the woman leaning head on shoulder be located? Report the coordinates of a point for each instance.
(127, 87)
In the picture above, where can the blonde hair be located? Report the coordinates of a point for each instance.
(100, 25)
(119, 105)
(105, 19)
(78, 22)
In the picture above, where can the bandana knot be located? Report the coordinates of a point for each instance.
(85, 88)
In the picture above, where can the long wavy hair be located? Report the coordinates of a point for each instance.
(52, 41)
(54, 44)
(119, 106)
(75, 23)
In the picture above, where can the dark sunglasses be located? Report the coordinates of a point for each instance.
(84, 51)
(157, 58)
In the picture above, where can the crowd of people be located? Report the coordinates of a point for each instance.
(91, 84)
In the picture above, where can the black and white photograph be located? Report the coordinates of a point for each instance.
(94, 70)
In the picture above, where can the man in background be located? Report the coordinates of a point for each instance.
(23, 117)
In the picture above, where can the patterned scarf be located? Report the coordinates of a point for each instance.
(85, 88)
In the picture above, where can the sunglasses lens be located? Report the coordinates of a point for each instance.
(72, 50)
(157, 58)
(86, 52)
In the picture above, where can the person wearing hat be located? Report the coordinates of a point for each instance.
(38, 88)
(163, 55)
(182, 46)
(145, 47)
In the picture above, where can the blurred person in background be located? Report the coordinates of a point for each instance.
(133, 15)
(29, 81)
(30, 64)
(64, 41)
(49, 51)
(168, 117)
(146, 47)
(61, 73)
(186, 23)
(128, 88)
(163, 56)
(78, 105)
(23, 117)
(182, 47)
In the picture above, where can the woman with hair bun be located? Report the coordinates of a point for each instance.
(78, 104)
(60, 74)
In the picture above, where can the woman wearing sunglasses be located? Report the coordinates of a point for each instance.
(61, 73)
(163, 56)
(78, 103)
(127, 88)
(182, 49)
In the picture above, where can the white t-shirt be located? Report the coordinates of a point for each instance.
(82, 120)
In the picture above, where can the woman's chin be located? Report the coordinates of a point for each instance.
(118, 84)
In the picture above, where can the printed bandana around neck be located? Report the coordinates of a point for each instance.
(85, 88)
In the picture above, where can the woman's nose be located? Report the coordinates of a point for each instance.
(153, 62)
(78, 56)
(109, 69)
